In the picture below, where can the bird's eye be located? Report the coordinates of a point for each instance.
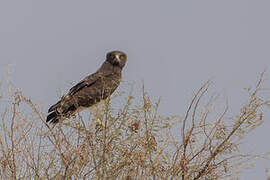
(122, 57)
(112, 56)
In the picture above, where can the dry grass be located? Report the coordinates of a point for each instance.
(132, 142)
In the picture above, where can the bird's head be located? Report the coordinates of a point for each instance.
(117, 58)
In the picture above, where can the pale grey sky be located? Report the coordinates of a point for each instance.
(173, 45)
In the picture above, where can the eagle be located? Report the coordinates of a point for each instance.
(91, 90)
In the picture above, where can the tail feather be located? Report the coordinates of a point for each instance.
(60, 110)
(53, 117)
(53, 107)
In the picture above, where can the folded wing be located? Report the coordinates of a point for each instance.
(69, 103)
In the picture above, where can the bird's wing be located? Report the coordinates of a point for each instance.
(66, 105)
(88, 81)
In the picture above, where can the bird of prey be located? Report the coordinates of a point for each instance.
(91, 90)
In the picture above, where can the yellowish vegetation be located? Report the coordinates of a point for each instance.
(131, 142)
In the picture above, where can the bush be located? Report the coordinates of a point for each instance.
(131, 142)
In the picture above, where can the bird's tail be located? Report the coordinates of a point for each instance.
(62, 109)
(53, 117)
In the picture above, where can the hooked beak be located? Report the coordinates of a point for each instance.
(116, 60)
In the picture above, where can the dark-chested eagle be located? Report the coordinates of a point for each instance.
(91, 90)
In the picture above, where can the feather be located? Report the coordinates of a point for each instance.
(53, 107)
(89, 91)
(52, 117)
